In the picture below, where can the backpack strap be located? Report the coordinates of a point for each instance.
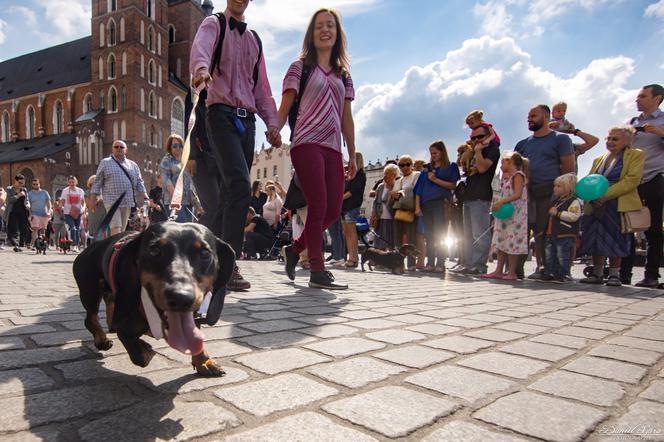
(292, 114)
(216, 56)
(260, 54)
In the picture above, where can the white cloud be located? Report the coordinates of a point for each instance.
(656, 10)
(69, 18)
(3, 29)
(496, 75)
(28, 15)
(496, 21)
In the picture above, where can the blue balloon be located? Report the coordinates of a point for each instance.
(505, 211)
(592, 187)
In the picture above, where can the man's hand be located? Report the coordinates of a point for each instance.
(352, 167)
(652, 129)
(273, 136)
(201, 79)
(553, 211)
(93, 202)
(191, 167)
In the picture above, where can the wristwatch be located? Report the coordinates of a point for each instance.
(576, 132)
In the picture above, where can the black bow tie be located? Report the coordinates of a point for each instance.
(240, 25)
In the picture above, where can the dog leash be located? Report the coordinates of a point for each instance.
(176, 200)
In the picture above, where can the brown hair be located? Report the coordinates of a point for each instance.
(519, 161)
(339, 58)
(438, 144)
(169, 142)
(72, 177)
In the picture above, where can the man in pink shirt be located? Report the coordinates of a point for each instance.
(237, 89)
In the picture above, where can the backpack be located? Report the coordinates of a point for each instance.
(216, 57)
(292, 114)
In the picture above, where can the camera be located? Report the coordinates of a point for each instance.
(639, 128)
(428, 167)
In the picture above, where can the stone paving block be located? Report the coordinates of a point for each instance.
(275, 314)
(580, 387)
(644, 331)
(544, 322)
(543, 417)
(374, 324)
(415, 356)
(655, 392)
(643, 421)
(607, 369)
(362, 314)
(283, 392)
(61, 338)
(442, 313)
(539, 351)
(304, 427)
(265, 307)
(329, 331)
(20, 320)
(394, 310)
(528, 329)
(343, 347)
(11, 344)
(272, 326)
(278, 361)
(488, 317)
(507, 365)
(492, 334)
(355, 373)
(23, 381)
(561, 340)
(391, 411)
(463, 383)
(25, 330)
(320, 310)
(277, 339)
(108, 367)
(395, 336)
(411, 318)
(626, 354)
(643, 344)
(34, 435)
(459, 344)
(582, 332)
(465, 323)
(433, 329)
(35, 356)
(598, 325)
(468, 432)
(185, 380)
(226, 332)
(62, 405)
(168, 420)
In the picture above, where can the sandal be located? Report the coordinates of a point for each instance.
(350, 264)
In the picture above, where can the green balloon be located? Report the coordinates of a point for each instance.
(592, 187)
(505, 211)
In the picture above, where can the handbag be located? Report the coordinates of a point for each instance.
(405, 216)
(635, 220)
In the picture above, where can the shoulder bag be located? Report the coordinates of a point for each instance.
(635, 220)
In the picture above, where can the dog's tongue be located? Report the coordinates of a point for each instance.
(183, 335)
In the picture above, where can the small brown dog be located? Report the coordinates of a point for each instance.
(466, 155)
(392, 259)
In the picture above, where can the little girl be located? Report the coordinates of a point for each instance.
(510, 236)
(562, 230)
(474, 120)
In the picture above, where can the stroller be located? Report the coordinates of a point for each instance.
(283, 238)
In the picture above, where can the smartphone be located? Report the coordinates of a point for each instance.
(639, 129)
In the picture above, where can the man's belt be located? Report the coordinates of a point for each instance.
(237, 111)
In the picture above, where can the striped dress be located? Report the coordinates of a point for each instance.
(321, 106)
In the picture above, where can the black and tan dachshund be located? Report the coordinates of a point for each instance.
(152, 283)
(391, 259)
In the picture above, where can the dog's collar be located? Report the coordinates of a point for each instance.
(151, 314)
(112, 262)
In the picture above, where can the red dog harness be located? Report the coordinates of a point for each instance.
(112, 261)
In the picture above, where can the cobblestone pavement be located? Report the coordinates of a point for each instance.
(395, 357)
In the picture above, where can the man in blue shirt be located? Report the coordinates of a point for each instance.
(550, 154)
(40, 210)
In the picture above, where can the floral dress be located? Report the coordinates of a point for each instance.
(510, 235)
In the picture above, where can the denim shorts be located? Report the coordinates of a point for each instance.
(351, 216)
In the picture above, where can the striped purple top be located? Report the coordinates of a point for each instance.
(321, 107)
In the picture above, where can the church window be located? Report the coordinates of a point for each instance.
(112, 100)
(6, 130)
(30, 122)
(58, 118)
(111, 67)
(177, 117)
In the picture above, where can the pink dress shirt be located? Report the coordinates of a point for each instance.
(235, 86)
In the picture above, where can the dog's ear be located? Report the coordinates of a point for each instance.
(225, 267)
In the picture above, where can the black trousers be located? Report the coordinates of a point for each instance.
(208, 186)
(17, 229)
(234, 153)
(255, 243)
(652, 195)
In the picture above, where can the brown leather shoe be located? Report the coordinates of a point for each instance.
(237, 282)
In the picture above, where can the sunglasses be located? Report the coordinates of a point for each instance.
(118, 147)
(176, 146)
(405, 164)
(477, 137)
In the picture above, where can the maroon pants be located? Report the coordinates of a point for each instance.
(320, 171)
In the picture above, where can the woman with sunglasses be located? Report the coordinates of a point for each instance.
(169, 169)
(404, 197)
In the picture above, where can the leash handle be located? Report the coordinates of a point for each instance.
(179, 185)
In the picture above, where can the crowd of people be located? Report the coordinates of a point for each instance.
(420, 202)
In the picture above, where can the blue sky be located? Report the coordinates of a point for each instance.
(420, 66)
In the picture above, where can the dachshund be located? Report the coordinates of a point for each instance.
(392, 259)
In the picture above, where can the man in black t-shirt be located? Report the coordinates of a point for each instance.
(258, 235)
(157, 208)
(477, 203)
